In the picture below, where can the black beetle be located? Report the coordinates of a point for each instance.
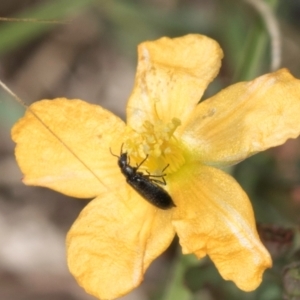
(145, 185)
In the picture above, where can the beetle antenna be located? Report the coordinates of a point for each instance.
(113, 154)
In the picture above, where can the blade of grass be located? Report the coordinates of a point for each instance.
(255, 52)
(15, 34)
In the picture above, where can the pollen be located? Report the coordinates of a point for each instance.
(156, 141)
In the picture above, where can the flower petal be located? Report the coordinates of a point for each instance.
(114, 240)
(244, 119)
(214, 216)
(172, 75)
(69, 151)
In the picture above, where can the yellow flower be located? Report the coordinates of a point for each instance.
(118, 234)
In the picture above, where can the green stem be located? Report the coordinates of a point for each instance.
(176, 289)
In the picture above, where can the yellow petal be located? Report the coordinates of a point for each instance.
(244, 119)
(214, 216)
(114, 240)
(172, 75)
(80, 163)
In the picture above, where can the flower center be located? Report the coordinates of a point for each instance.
(157, 141)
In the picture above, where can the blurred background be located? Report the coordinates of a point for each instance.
(89, 52)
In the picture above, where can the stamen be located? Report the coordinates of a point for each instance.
(157, 140)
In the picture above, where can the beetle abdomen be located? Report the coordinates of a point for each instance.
(150, 191)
